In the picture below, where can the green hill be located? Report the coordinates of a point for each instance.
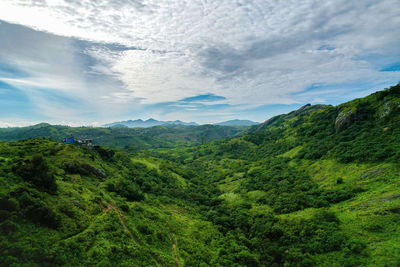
(135, 139)
(237, 122)
(315, 187)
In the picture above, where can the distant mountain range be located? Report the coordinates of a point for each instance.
(146, 123)
(152, 122)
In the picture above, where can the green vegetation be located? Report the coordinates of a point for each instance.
(316, 187)
(128, 139)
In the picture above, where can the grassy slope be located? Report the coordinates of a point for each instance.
(372, 216)
(97, 226)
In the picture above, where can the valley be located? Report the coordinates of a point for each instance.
(318, 186)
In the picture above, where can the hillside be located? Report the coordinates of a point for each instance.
(69, 205)
(342, 160)
(237, 123)
(148, 123)
(124, 138)
(315, 187)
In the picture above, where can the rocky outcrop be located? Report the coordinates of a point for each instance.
(388, 107)
(94, 170)
(84, 169)
(372, 174)
(344, 119)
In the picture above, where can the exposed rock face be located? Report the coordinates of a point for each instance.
(374, 173)
(388, 107)
(344, 119)
(94, 170)
(84, 169)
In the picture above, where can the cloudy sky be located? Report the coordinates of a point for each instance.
(87, 62)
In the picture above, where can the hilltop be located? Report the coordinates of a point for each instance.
(315, 187)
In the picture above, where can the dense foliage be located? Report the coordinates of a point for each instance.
(315, 187)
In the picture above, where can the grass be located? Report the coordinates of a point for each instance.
(149, 164)
(292, 153)
(373, 215)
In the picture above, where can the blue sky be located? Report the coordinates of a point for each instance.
(92, 62)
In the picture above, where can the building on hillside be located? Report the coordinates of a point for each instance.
(85, 142)
(68, 140)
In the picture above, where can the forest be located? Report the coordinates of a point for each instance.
(318, 186)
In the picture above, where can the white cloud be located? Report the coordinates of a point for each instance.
(251, 52)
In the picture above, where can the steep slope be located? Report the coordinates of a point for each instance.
(237, 123)
(362, 130)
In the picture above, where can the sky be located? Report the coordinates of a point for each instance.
(90, 62)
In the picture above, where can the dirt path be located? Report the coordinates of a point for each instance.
(174, 251)
(123, 222)
(112, 206)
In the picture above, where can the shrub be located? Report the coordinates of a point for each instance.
(4, 215)
(8, 226)
(125, 207)
(126, 189)
(37, 172)
(36, 210)
(8, 204)
(43, 216)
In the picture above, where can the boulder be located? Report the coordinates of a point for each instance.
(83, 169)
(388, 107)
(344, 119)
(94, 170)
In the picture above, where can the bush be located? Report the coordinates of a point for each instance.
(37, 172)
(105, 154)
(144, 229)
(8, 204)
(4, 215)
(125, 207)
(36, 210)
(356, 246)
(43, 216)
(126, 189)
(8, 226)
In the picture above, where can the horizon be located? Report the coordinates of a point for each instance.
(87, 63)
(103, 125)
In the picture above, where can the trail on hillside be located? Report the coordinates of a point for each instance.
(123, 222)
(112, 206)
(174, 251)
